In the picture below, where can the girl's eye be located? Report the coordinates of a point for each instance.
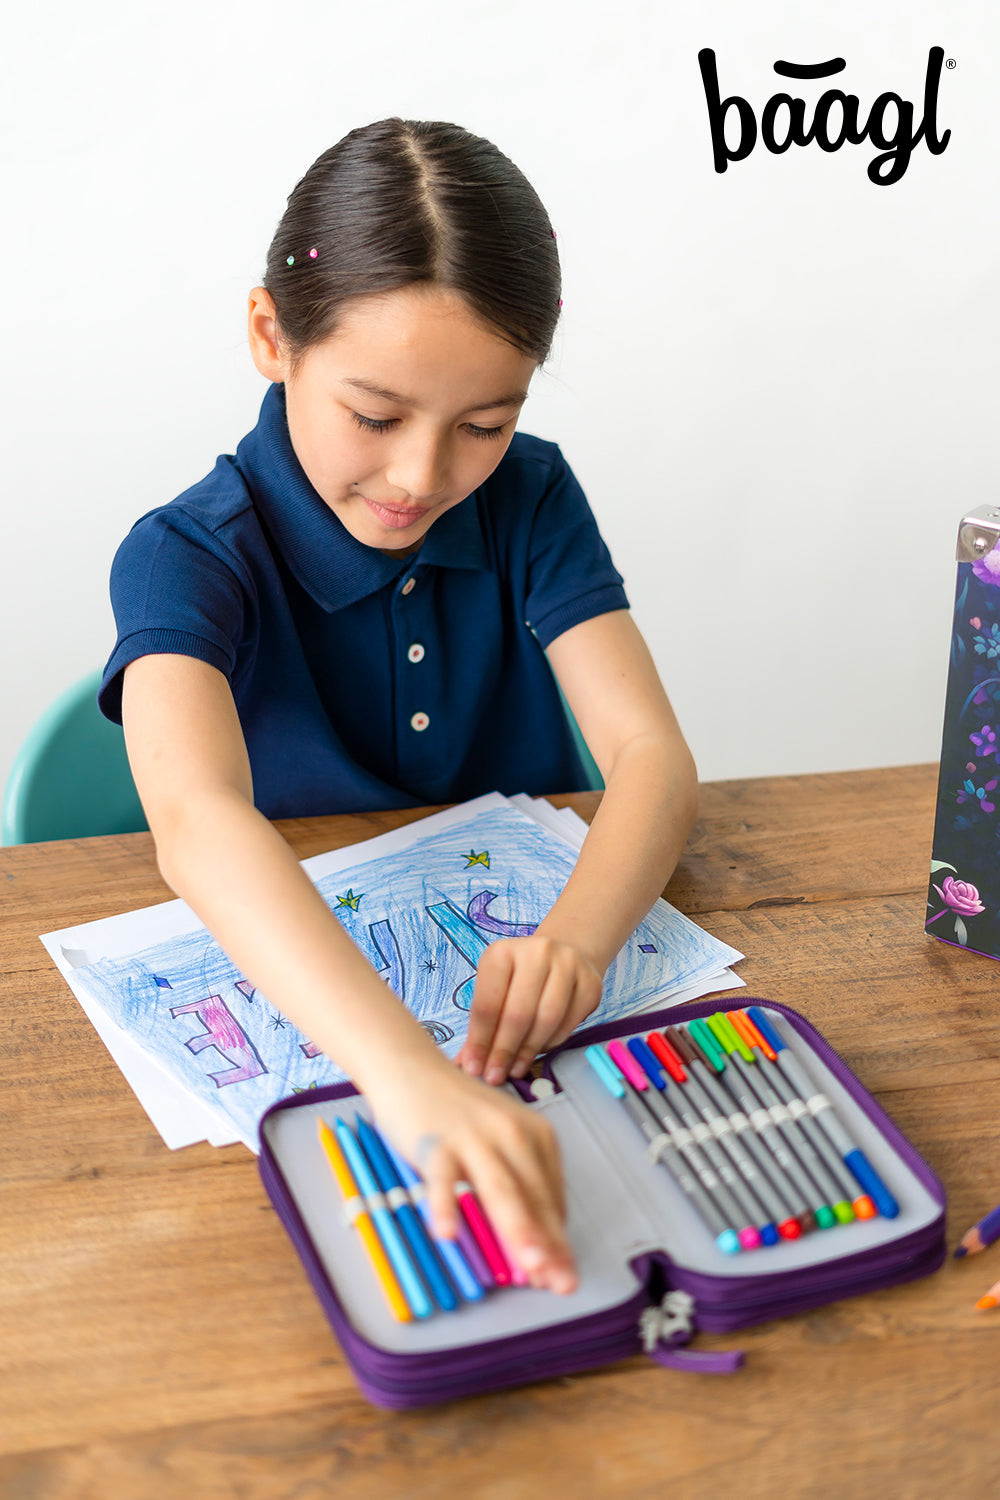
(484, 432)
(373, 424)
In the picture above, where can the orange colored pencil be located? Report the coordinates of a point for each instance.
(990, 1298)
(354, 1205)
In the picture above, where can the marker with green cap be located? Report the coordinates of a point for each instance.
(751, 1157)
(739, 1079)
(861, 1203)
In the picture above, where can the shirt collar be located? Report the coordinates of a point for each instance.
(330, 564)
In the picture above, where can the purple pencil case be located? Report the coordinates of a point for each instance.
(651, 1274)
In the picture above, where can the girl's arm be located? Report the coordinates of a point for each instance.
(532, 992)
(234, 869)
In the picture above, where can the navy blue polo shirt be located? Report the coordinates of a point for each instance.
(364, 681)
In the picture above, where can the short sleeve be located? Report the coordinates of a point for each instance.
(175, 588)
(571, 577)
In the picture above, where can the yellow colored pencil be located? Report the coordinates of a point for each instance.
(354, 1205)
(990, 1298)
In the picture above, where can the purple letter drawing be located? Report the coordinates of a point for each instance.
(223, 1032)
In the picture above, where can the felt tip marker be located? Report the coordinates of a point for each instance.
(793, 1120)
(852, 1204)
(459, 1269)
(749, 1157)
(773, 1126)
(826, 1116)
(704, 1153)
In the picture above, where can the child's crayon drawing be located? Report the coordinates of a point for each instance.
(423, 915)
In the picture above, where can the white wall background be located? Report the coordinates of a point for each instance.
(778, 385)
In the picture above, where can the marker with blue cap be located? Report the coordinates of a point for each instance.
(726, 1238)
(825, 1115)
(697, 1144)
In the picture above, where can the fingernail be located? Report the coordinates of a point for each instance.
(530, 1256)
(495, 1075)
(473, 1067)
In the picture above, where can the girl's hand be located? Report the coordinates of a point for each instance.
(530, 993)
(453, 1129)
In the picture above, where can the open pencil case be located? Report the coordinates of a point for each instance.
(651, 1272)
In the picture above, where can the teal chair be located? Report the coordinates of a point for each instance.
(594, 779)
(71, 778)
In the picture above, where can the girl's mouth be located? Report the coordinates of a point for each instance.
(399, 517)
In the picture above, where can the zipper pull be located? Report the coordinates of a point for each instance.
(674, 1320)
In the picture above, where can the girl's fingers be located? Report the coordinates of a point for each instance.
(522, 1035)
(492, 981)
(535, 982)
(440, 1174)
(524, 1202)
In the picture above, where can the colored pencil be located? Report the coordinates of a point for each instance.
(980, 1235)
(357, 1212)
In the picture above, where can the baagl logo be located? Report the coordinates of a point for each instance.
(836, 118)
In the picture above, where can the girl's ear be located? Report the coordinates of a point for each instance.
(262, 331)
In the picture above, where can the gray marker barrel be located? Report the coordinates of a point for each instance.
(751, 1158)
(738, 1089)
(794, 1137)
(826, 1116)
(695, 1143)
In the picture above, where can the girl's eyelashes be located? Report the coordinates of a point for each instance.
(383, 424)
(373, 424)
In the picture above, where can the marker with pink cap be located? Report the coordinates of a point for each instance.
(748, 1235)
(666, 1153)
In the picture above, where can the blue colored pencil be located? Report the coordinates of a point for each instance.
(471, 1287)
(385, 1225)
(407, 1217)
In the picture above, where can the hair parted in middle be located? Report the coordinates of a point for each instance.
(405, 202)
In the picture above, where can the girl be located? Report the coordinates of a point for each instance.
(353, 613)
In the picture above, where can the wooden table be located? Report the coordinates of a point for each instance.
(158, 1337)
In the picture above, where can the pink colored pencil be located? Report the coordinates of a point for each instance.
(483, 1234)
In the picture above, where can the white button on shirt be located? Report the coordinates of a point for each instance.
(408, 586)
(419, 721)
(416, 652)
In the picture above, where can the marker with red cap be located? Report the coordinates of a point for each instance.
(746, 1150)
(717, 1175)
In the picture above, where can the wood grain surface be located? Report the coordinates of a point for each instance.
(158, 1337)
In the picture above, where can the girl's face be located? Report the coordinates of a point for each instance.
(401, 413)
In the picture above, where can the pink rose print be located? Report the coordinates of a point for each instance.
(960, 897)
(961, 900)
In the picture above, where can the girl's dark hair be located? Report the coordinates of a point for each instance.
(408, 201)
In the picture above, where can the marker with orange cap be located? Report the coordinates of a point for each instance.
(698, 1145)
(750, 1158)
(826, 1116)
(991, 1298)
(850, 1204)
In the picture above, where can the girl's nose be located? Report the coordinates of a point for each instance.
(419, 467)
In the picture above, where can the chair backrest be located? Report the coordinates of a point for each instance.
(71, 778)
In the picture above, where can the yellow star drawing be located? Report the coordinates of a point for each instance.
(350, 900)
(472, 858)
